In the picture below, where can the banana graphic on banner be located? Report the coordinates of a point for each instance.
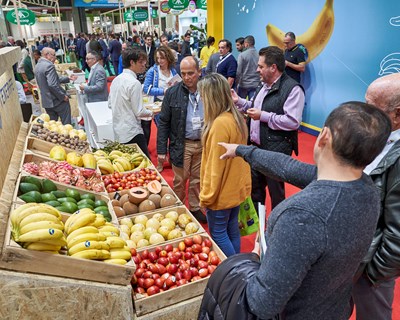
(315, 38)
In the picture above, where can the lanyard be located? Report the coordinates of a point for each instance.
(222, 60)
(194, 103)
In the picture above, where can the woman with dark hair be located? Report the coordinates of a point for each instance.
(206, 53)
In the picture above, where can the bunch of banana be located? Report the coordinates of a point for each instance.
(115, 154)
(120, 252)
(105, 166)
(109, 230)
(122, 164)
(81, 218)
(38, 227)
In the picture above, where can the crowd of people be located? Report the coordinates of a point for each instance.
(229, 127)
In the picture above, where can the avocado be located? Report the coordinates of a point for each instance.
(100, 203)
(73, 194)
(86, 201)
(66, 199)
(59, 194)
(88, 196)
(61, 208)
(35, 195)
(101, 208)
(25, 187)
(33, 180)
(53, 203)
(26, 198)
(71, 207)
(48, 186)
(46, 197)
(85, 205)
(105, 214)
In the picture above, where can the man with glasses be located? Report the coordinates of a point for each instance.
(227, 64)
(54, 98)
(126, 102)
(96, 87)
(295, 58)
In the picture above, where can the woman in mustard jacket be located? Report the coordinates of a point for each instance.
(224, 184)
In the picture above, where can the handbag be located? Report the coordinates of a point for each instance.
(248, 218)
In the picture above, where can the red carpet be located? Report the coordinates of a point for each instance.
(306, 145)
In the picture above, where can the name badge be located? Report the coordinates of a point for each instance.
(196, 123)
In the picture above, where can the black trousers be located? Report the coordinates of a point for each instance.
(146, 126)
(141, 142)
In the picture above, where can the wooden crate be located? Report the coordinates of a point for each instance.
(178, 202)
(144, 305)
(63, 187)
(31, 157)
(181, 209)
(16, 258)
(41, 147)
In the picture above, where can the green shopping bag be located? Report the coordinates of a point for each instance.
(248, 218)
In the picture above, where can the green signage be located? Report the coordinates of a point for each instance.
(140, 15)
(154, 13)
(201, 4)
(178, 4)
(128, 16)
(26, 17)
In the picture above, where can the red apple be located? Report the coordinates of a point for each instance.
(172, 268)
(163, 261)
(207, 242)
(182, 246)
(187, 274)
(197, 239)
(147, 274)
(163, 253)
(148, 283)
(211, 268)
(161, 268)
(153, 290)
(203, 272)
(194, 272)
(168, 247)
(196, 248)
(203, 256)
(188, 242)
(153, 257)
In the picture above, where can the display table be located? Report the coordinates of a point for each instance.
(98, 123)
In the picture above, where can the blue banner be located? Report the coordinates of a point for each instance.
(96, 3)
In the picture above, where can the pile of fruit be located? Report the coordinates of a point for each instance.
(143, 199)
(89, 236)
(64, 135)
(117, 161)
(63, 172)
(70, 200)
(169, 267)
(145, 230)
(38, 227)
(123, 181)
(87, 160)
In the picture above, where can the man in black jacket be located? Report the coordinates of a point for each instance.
(180, 121)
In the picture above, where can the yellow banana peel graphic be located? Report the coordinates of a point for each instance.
(315, 38)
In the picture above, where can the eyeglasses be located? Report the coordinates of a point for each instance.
(89, 59)
(52, 54)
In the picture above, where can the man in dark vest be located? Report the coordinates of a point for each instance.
(275, 112)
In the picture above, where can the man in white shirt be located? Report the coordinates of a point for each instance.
(125, 100)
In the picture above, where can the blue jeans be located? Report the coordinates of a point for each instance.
(224, 229)
(244, 93)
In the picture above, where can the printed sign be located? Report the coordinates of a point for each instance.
(201, 4)
(178, 4)
(26, 17)
(140, 15)
(164, 7)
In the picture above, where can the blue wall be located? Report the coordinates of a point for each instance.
(365, 32)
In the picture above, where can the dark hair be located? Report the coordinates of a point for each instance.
(187, 34)
(359, 132)
(96, 55)
(167, 54)
(291, 35)
(250, 40)
(20, 44)
(70, 35)
(240, 40)
(163, 36)
(210, 41)
(228, 44)
(173, 45)
(273, 55)
(132, 54)
(37, 52)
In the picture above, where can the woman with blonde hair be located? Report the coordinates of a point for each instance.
(224, 184)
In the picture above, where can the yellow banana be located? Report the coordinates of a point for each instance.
(40, 235)
(315, 38)
(99, 222)
(15, 213)
(82, 221)
(93, 254)
(116, 153)
(62, 242)
(143, 164)
(120, 254)
(52, 252)
(109, 233)
(116, 261)
(75, 216)
(87, 245)
(38, 208)
(41, 225)
(101, 153)
(116, 242)
(109, 228)
(40, 246)
(38, 217)
(86, 237)
(83, 230)
(105, 167)
(118, 167)
(124, 162)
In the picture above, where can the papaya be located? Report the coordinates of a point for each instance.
(89, 161)
(25, 187)
(33, 180)
(48, 186)
(154, 186)
(75, 159)
(58, 153)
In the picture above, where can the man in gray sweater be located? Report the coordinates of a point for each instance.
(317, 238)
